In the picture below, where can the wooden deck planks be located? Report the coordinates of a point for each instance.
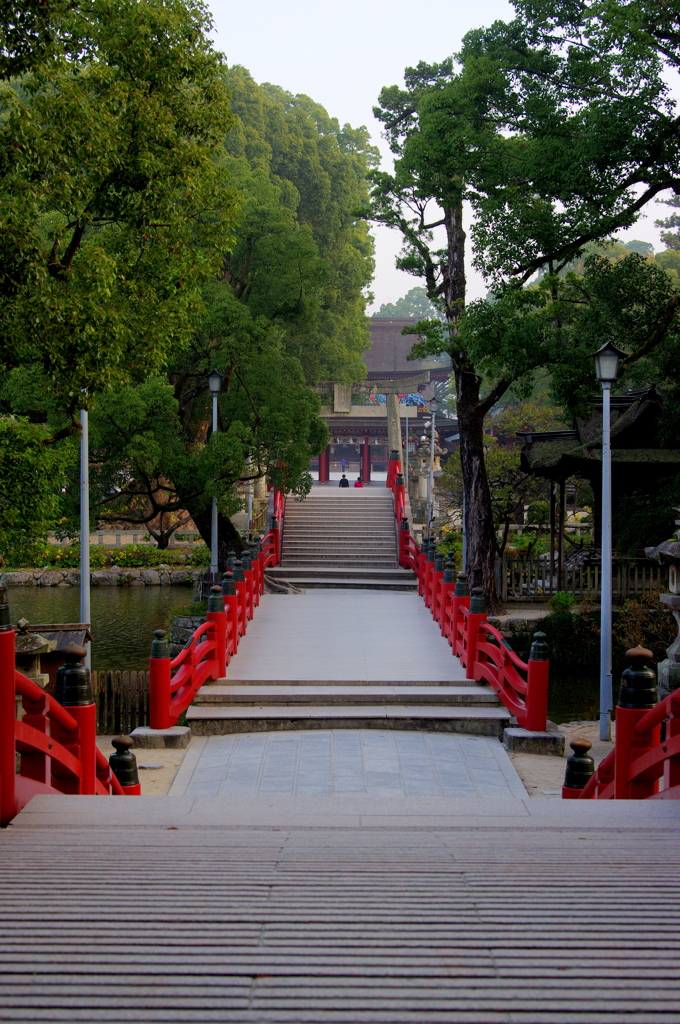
(526, 924)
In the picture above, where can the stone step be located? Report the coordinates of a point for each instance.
(351, 556)
(347, 583)
(331, 547)
(219, 721)
(391, 572)
(323, 538)
(231, 694)
(339, 519)
(306, 541)
(444, 684)
(314, 562)
(341, 528)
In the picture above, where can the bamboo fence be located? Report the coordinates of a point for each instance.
(531, 579)
(122, 700)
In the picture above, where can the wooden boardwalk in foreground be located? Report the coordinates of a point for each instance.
(190, 910)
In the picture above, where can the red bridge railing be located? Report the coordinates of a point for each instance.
(56, 745)
(645, 761)
(483, 651)
(173, 684)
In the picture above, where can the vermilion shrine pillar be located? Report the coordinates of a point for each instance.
(366, 461)
(325, 465)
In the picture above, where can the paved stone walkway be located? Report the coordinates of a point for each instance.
(341, 763)
(347, 636)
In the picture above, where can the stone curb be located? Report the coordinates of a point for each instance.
(113, 577)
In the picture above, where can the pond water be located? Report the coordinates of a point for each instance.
(123, 618)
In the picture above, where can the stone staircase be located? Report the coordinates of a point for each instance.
(342, 538)
(460, 706)
(293, 670)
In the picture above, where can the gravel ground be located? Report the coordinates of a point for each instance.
(543, 775)
(155, 781)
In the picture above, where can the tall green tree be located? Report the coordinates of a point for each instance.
(115, 209)
(286, 307)
(436, 128)
(303, 256)
(557, 128)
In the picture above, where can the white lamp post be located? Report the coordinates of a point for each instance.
(433, 406)
(606, 370)
(215, 379)
(85, 529)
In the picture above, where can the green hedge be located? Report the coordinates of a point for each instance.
(132, 556)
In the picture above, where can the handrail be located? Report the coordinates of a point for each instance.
(480, 647)
(207, 653)
(640, 758)
(57, 746)
(498, 665)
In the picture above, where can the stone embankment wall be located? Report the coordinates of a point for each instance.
(113, 577)
(182, 629)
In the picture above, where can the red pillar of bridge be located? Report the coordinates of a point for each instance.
(7, 714)
(325, 465)
(366, 461)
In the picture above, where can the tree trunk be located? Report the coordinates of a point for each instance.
(228, 537)
(479, 525)
(481, 535)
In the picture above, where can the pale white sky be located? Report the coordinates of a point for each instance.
(342, 54)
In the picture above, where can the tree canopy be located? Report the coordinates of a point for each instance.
(165, 215)
(303, 257)
(115, 209)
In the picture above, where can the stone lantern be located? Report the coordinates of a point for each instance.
(668, 554)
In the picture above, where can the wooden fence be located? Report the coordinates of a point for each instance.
(530, 579)
(122, 700)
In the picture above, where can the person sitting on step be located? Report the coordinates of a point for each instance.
(344, 482)
(357, 482)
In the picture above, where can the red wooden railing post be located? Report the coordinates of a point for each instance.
(447, 585)
(159, 683)
(538, 674)
(435, 584)
(7, 712)
(73, 690)
(404, 537)
(393, 467)
(256, 566)
(461, 599)
(399, 497)
(421, 564)
(217, 615)
(638, 694)
(476, 614)
(242, 593)
(230, 601)
(249, 577)
(276, 537)
(86, 717)
(427, 568)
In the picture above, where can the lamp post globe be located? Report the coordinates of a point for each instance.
(607, 362)
(215, 379)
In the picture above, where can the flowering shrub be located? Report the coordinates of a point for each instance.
(132, 556)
